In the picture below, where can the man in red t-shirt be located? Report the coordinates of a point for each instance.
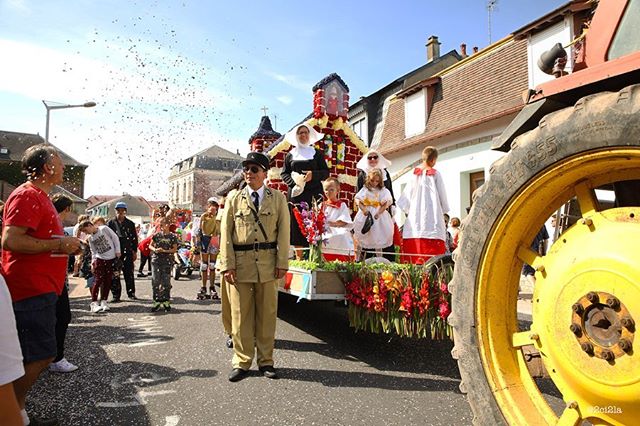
(34, 262)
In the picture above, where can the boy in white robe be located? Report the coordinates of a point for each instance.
(337, 240)
(424, 201)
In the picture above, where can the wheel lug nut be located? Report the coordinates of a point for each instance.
(587, 347)
(607, 355)
(612, 302)
(628, 323)
(577, 308)
(625, 345)
(593, 297)
(576, 329)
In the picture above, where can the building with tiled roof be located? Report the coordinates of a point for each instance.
(367, 114)
(463, 107)
(195, 179)
(13, 146)
(138, 209)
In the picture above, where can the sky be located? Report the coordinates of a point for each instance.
(171, 78)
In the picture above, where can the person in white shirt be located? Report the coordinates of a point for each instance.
(82, 236)
(424, 201)
(105, 249)
(337, 240)
(11, 367)
(374, 200)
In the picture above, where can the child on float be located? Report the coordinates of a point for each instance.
(373, 198)
(455, 231)
(164, 245)
(105, 252)
(209, 248)
(337, 241)
(424, 201)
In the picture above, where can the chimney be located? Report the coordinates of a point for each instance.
(463, 50)
(475, 49)
(433, 48)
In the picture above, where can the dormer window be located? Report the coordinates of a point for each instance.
(415, 113)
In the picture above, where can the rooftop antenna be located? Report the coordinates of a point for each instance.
(491, 7)
(275, 122)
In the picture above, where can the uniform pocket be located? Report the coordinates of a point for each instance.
(242, 218)
(268, 220)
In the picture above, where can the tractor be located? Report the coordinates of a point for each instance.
(577, 137)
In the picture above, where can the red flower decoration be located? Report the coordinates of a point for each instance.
(298, 216)
(444, 309)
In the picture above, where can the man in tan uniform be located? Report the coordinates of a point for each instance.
(254, 251)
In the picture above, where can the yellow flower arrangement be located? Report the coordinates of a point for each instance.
(348, 179)
(274, 173)
(284, 144)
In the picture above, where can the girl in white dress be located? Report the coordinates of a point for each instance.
(337, 240)
(375, 199)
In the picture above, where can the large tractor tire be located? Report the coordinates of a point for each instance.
(586, 300)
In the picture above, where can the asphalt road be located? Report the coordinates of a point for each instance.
(141, 368)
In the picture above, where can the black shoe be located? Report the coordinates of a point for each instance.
(37, 421)
(133, 297)
(229, 342)
(115, 300)
(141, 275)
(237, 374)
(268, 371)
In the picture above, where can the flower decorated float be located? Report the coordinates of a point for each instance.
(406, 300)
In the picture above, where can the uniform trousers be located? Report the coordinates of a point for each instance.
(254, 308)
(127, 272)
(225, 306)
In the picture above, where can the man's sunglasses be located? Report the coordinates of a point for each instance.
(252, 169)
(373, 157)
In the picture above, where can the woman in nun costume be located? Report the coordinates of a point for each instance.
(303, 171)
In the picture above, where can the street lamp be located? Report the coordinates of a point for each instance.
(49, 107)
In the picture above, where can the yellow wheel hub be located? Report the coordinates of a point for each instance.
(592, 357)
(588, 287)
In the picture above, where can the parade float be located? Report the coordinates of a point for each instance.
(407, 300)
(404, 299)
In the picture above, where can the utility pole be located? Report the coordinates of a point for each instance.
(275, 122)
(491, 7)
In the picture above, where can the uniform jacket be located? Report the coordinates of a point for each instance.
(126, 231)
(239, 227)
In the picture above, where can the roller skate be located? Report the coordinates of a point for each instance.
(202, 295)
(213, 295)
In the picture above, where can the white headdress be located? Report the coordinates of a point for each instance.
(383, 163)
(303, 152)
